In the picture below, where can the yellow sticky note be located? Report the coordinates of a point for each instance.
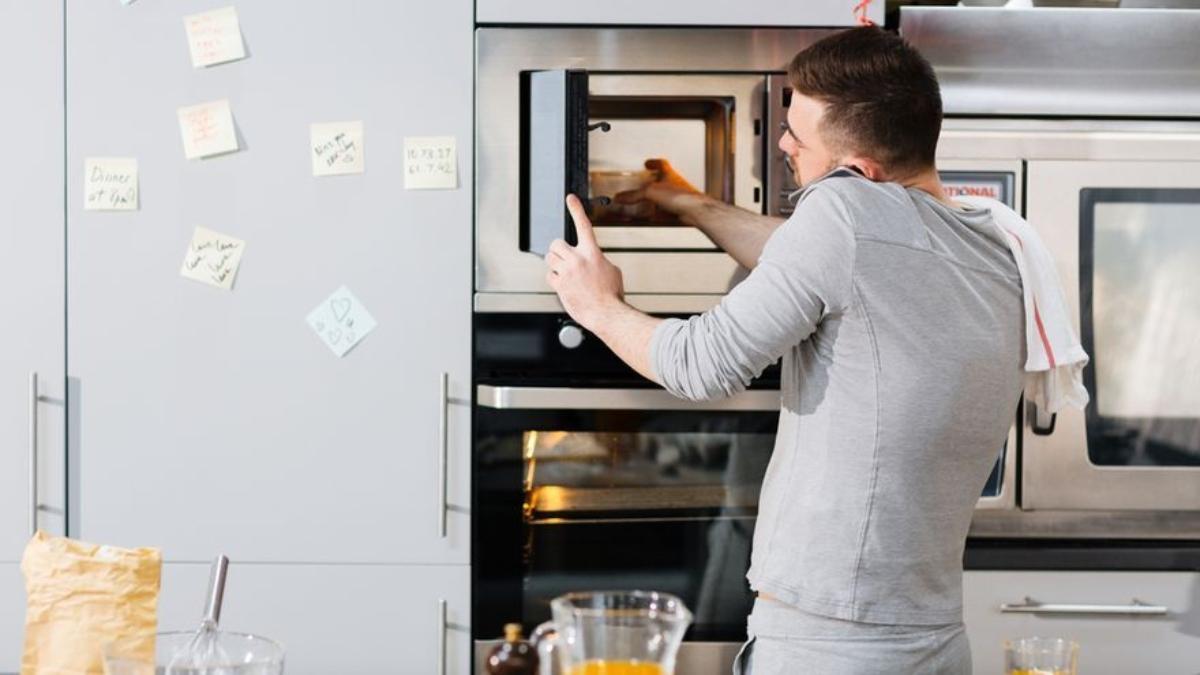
(207, 129)
(430, 163)
(213, 258)
(337, 148)
(214, 37)
(110, 184)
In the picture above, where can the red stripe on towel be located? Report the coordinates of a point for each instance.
(1037, 315)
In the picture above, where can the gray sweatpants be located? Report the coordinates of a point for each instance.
(787, 641)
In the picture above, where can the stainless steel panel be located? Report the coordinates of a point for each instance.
(1033, 139)
(1061, 61)
(516, 303)
(1057, 472)
(649, 236)
(1076, 524)
(730, 55)
(564, 398)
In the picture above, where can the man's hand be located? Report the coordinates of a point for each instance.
(671, 193)
(586, 282)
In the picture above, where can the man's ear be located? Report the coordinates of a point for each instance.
(866, 166)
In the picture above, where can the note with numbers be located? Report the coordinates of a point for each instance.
(341, 321)
(337, 148)
(110, 184)
(214, 37)
(213, 258)
(430, 163)
(207, 129)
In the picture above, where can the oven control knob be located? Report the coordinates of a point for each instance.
(570, 336)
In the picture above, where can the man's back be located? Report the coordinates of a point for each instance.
(899, 386)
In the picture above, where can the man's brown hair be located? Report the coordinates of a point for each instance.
(882, 98)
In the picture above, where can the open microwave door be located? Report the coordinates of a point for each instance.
(555, 155)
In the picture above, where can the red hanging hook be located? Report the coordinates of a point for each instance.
(860, 13)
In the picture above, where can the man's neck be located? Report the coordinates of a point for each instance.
(929, 181)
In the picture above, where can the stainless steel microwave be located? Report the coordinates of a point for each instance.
(558, 110)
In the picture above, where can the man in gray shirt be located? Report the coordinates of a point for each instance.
(898, 316)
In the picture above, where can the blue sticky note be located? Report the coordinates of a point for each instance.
(341, 321)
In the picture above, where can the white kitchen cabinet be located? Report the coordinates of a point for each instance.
(344, 619)
(213, 420)
(12, 617)
(1109, 644)
(31, 273)
(824, 13)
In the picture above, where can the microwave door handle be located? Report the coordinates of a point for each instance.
(569, 398)
(554, 154)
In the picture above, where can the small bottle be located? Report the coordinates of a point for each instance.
(514, 656)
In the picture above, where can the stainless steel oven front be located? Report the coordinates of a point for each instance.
(1118, 205)
(557, 110)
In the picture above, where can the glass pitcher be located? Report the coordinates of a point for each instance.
(612, 633)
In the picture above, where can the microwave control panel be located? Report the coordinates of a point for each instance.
(780, 180)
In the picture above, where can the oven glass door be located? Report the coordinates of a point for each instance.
(636, 491)
(1126, 237)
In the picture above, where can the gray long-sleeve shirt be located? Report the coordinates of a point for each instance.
(899, 321)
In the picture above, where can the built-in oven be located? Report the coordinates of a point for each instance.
(1126, 236)
(586, 477)
(1118, 205)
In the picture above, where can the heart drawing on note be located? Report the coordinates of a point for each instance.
(341, 321)
(340, 307)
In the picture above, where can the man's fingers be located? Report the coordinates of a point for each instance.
(583, 226)
(630, 196)
(560, 248)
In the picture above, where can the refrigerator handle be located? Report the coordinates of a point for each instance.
(33, 452)
(443, 452)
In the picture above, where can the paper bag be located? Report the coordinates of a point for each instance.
(81, 597)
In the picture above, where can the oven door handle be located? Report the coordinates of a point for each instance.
(569, 398)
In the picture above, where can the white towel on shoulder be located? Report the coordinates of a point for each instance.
(1054, 366)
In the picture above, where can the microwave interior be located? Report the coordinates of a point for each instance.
(592, 134)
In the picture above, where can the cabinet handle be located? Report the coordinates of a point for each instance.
(443, 451)
(441, 645)
(33, 453)
(1031, 606)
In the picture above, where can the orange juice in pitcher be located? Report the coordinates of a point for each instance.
(613, 633)
(606, 667)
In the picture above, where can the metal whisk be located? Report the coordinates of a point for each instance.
(203, 654)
